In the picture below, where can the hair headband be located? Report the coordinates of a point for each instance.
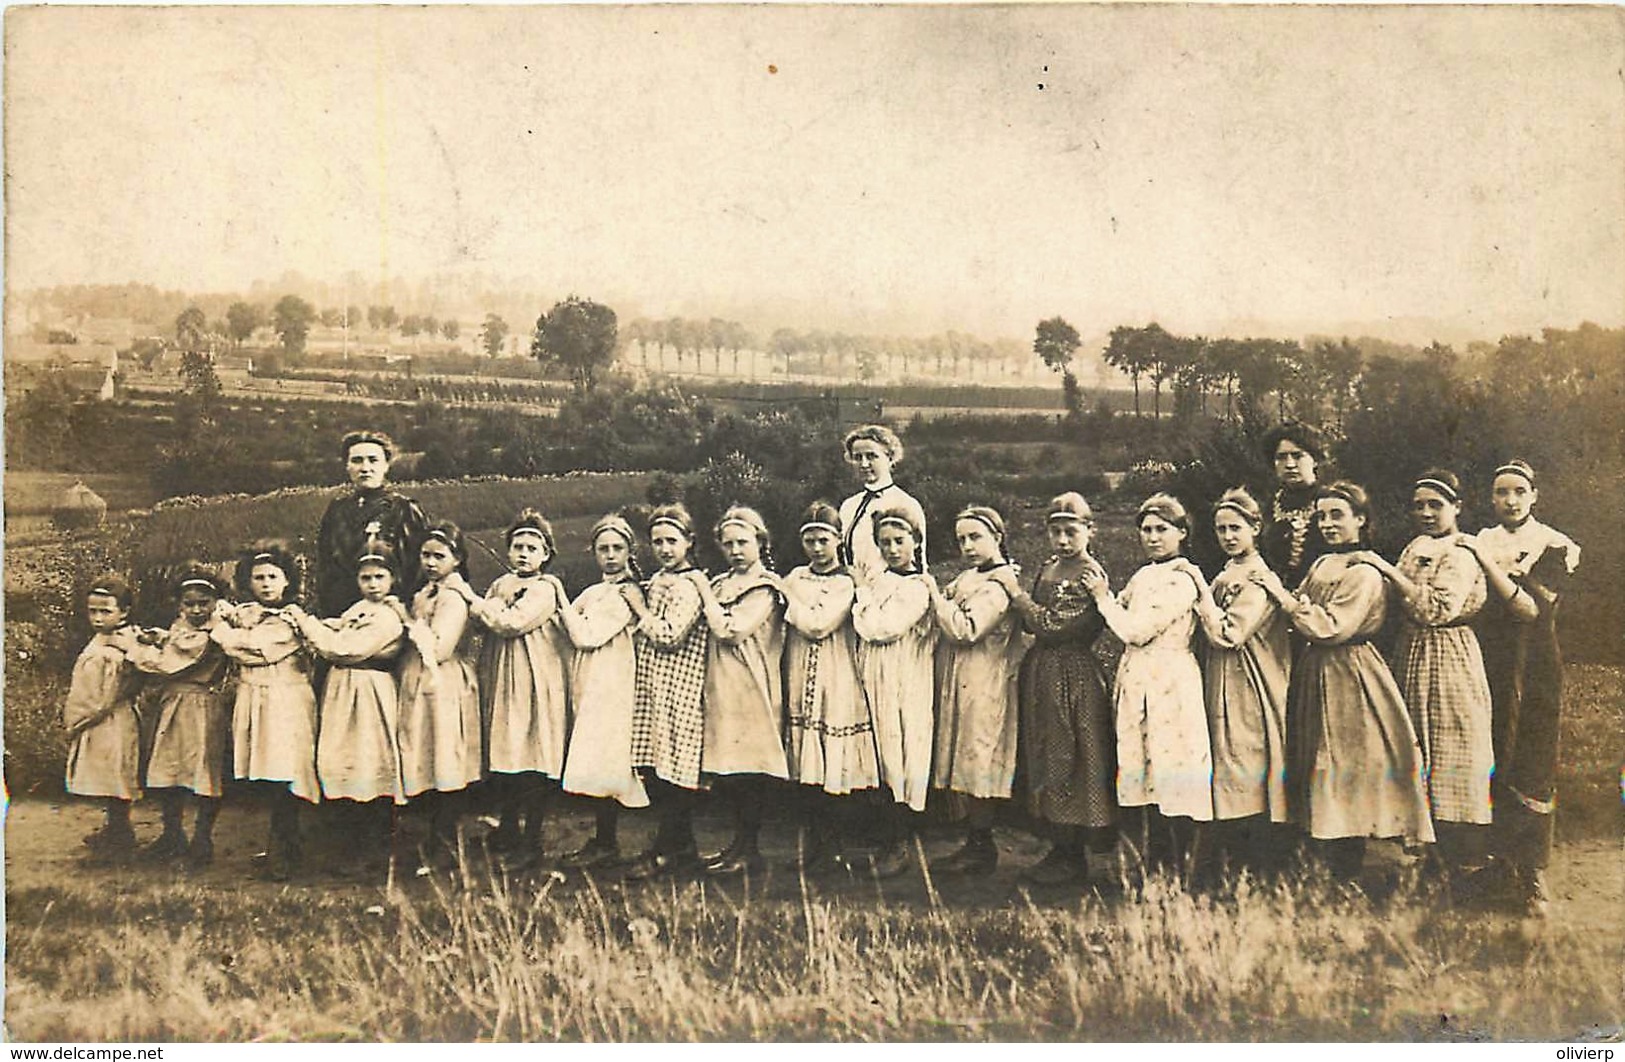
(1339, 492)
(1252, 516)
(742, 522)
(210, 583)
(820, 525)
(897, 521)
(981, 518)
(1068, 514)
(1524, 472)
(271, 557)
(619, 529)
(441, 535)
(102, 590)
(526, 530)
(1439, 485)
(376, 558)
(671, 521)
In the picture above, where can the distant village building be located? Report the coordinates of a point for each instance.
(89, 368)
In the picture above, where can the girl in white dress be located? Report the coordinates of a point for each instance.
(892, 618)
(273, 722)
(521, 674)
(439, 698)
(358, 750)
(831, 737)
(600, 625)
(744, 683)
(104, 757)
(978, 663)
(1164, 761)
(189, 739)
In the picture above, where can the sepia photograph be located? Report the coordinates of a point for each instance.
(881, 523)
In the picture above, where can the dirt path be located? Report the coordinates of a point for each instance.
(42, 849)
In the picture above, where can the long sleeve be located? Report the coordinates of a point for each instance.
(1247, 609)
(736, 622)
(533, 605)
(267, 642)
(882, 617)
(357, 638)
(1349, 610)
(596, 617)
(445, 626)
(673, 615)
(1152, 609)
(1070, 614)
(183, 649)
(968, 619)
(1443, 596)
(817, 608)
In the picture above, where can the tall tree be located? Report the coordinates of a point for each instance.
(450, 328)
(1127, 352)
(190, 328)
(579, 335)
(492, 334)
(1056, 344)
(292, 318)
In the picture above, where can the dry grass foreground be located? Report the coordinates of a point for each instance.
(145, 954)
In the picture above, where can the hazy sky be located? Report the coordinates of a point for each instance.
(961, 167)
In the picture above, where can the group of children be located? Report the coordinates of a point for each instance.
(858, 678)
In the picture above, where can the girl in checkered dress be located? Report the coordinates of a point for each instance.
(668, 722)
(1440, 666)
(522, 685)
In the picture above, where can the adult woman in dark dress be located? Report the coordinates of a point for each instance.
(1291, 541)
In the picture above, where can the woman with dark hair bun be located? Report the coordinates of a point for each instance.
(1354, 767)
(1291, 541)
(1440, 667)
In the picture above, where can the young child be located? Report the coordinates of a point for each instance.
(1354, 767)
(1440, 668)
(832, 740)
(743, 704)
(896, 638)
(1067, 743)
(668, 720)
(189, 742)
(1246, 682)
(521, 681)
(600, 625)
(1528, 566)
(104, 759)
(1164, 762)
(977, 669)
(273, 720)
(873, 450)
(358, 751)
(439, 700)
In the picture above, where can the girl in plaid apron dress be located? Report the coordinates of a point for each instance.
(1440, 667)
(668, 721)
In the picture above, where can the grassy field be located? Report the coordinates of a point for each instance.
(469, 954)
